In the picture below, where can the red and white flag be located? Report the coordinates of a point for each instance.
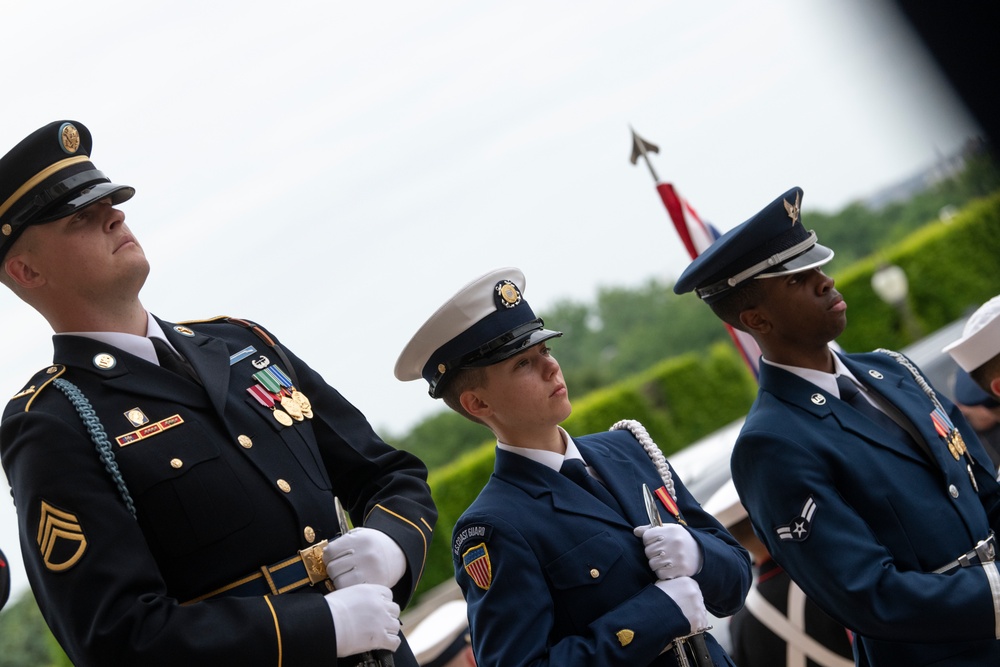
(696, 236)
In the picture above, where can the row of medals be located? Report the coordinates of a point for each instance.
(295, 406)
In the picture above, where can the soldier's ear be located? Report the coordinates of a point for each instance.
(995, 386)
(21, 272)
(755, 321)
(474, 404)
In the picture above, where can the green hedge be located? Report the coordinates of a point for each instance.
(951, 267)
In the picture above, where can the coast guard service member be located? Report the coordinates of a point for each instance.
(978, 350)
(175, 484)
(558, 570)
(888, 525)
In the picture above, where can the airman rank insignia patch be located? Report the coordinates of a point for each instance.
(798, 528)
(477, 564)
(60, 538)
(625, 636)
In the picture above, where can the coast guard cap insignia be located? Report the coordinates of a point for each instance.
(60, 538)
(476, 562)
(798, 528)
(509, 295)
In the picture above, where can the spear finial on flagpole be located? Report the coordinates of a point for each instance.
(641, 147)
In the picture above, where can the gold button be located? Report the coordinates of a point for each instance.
(176, 463)
(309, 534)
(594, 574)
(245, 441)
(284, 486)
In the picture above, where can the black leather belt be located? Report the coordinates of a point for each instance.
(984, 552)
(305, 568)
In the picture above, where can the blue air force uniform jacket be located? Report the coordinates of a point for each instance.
(220, 488)
(553, 576)
(861, 520)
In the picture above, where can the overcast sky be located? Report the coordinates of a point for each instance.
(336, 170)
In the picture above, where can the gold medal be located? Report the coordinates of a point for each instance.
(301, 399)
(292, 408)
(956, 437)
(303, 403)
(282, 417)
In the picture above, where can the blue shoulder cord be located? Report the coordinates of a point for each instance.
(98, 435)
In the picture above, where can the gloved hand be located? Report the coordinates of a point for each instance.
(365, 619)
(671, 550)
(686, 592)
(364, 556)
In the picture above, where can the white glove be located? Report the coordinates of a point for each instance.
(671, 550)
(686, 592)
(364, 618)
(364, 556)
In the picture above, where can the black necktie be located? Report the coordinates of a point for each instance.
(172, 361)
(577, 471)
(849, 392)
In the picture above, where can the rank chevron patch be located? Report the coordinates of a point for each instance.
(60, 538)
(798, 528)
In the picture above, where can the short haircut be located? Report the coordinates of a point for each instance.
(742, 297)
(461, 381)
(985, 373)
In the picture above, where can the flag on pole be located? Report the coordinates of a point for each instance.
(696, 236)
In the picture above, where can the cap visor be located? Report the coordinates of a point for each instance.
(517, 345)
(818, 255)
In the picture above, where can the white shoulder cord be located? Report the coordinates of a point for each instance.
(990, 569)
(655, 455)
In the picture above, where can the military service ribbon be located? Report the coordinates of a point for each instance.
(669, 503)
(266, 399)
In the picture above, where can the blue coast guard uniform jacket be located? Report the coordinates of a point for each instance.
(568, 582)
(867, 518)
(220, 489)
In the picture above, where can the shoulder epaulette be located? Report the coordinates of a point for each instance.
(208, 320)
(253, 326)
(36, 384)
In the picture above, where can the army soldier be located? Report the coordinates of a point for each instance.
(177, 485)
(559, 558)
(867, 486)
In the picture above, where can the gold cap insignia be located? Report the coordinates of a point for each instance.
(104, 361)
(625, 636)
(510, 296)
(136, 417)
(793, 209)
(60, 538)
(70, 138)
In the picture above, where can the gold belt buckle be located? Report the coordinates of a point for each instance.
(312, 558)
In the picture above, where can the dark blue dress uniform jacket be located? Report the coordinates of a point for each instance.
(567, 572)
(885, 517)
(209, 505)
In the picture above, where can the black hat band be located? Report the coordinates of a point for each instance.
(38, 178)
(759, 267)
(483, 352)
